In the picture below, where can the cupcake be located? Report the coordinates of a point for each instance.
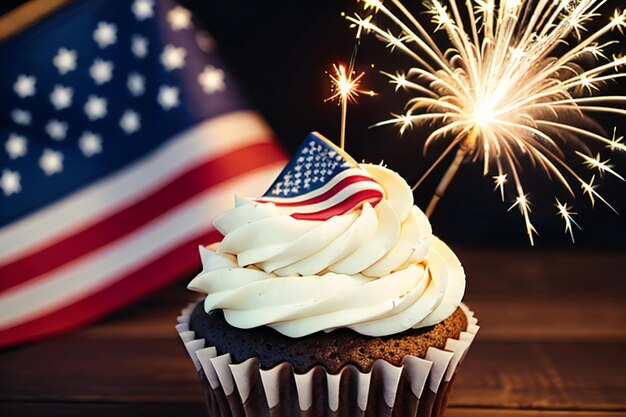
(328, 296)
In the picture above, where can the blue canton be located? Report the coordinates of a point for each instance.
(96, 88)
(314, 164)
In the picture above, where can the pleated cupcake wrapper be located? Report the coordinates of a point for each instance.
(419, 387)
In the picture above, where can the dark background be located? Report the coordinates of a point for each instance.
(281, 50)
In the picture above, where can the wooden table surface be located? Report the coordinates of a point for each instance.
(552, 343)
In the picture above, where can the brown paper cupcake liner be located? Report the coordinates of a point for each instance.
(418, 388)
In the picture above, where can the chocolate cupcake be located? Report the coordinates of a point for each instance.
(328, 295)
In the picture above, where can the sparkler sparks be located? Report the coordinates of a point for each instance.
(564, 210)
(346, 89)
(616, 144)
(601, 166)
(523, 204)
(589, 188)
(517, 81)
(500, 180)
(346, 86)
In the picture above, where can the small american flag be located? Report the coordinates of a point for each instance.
(322, 181)
(121, 136)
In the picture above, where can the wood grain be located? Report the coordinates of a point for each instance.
(86, 369)
(511, 374)
(480, 412)
(552, 375)
(156, 409)
(96, 409)
(546, 317)
(552, 343)
(497, 272)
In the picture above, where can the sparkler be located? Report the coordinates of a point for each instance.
(564, 210)
(346, 88)
(508, 85)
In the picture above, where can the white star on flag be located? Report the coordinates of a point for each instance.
(179, 18)
(61, 97)
(65, 60)
(168, 97)
(130, 122)
(96, 107)
(139, 46)
(143, 9)
(105, 34)
(212, 79)
(10, 182)
(25, 86)
(51, 162)
(101, 71)
(21, 117)
(173, 58)
(15, 146)
(90, 144)
(56, 129)
(136, 84)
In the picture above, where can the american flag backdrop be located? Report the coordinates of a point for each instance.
(122, 136)
(321, 181)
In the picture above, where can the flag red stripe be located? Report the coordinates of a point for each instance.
(180, 262)
(118, 224)
(326, 195)
(373, 196)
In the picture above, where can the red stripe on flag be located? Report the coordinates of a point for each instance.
(371, 196)
(179, 262)
(326, 195)
(118, 224)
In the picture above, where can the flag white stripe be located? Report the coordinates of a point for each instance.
(110, 263)
(334, 200)
(200, 144)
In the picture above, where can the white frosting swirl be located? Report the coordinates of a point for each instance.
(377, 270)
